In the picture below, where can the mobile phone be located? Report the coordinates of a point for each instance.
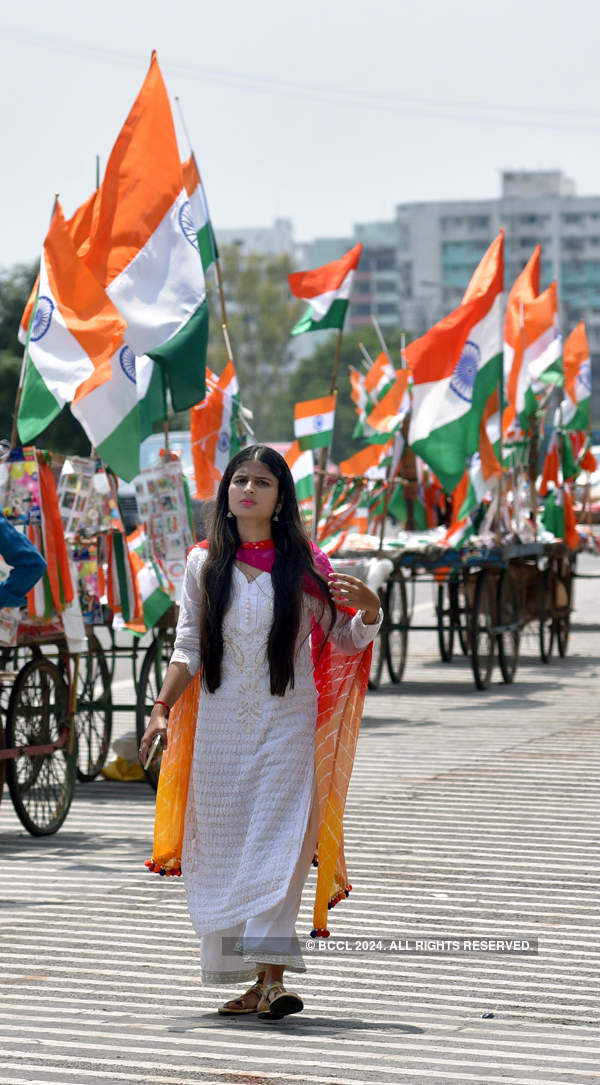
(155, 747)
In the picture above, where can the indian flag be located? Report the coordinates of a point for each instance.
(485, 467)
(371, 462)
(574, 411)
(302, 467)
(313, 422)
(110, 416)
(380, 378)
(154, 597)
(72, 333)
(393, 407)
(559, 517)
(525, 288)
(143, 246)
(198, 209)
(214, 432)
(455, 368)
(326, 290)
(543, 345)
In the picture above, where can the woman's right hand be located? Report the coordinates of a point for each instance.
(156, 726)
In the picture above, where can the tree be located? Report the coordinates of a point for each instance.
(312, 379)
(261, 312)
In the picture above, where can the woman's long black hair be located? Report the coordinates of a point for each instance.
(293, 563)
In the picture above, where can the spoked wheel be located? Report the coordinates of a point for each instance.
(410, 583)
(41, 785)
(483, 622)
(562, 604)
(379, 651)
(152, 675)
(546, 614)
(94, 711)
(509, 618)
(445, 627)
(396, 608)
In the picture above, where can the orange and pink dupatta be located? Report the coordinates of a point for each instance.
(341, 682)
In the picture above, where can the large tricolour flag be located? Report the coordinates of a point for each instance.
(72, 333)
(143, 246)
(574, 412)
(326, 290)
(455, 368)
(525, 288)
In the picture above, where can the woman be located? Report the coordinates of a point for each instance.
(251, 597)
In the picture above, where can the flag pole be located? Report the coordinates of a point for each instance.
(367, 357)
(379, 333)
(322, 464)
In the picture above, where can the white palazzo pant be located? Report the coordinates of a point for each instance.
(238, 952)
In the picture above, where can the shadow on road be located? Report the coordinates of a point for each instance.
(300, 1026)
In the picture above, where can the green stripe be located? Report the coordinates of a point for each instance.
(153, 407)
(38, 407)
(581, 418)
(304, 488)
(553, 516)
(183, 360)
(121, 449)
(155, 606)
(315, 440)
(554, 374)
(119, 551)
(334, 318)
(448, 448)
(207, 245)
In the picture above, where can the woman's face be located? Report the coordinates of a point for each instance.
(253, 492)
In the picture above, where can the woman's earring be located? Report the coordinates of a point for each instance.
(276, 516)
(230, 515)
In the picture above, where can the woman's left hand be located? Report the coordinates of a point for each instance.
(349, 591)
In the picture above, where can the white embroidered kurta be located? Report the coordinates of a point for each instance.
(251, 781)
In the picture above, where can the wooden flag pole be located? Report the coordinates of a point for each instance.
(379, 333)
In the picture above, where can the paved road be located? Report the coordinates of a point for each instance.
(470, 815)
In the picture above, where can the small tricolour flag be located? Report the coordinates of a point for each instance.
(313, 422)
(214, 430)
(574, 411)
(302, 466)
(525, 288)
(326, 290)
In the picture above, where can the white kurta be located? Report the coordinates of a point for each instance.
(252, 776)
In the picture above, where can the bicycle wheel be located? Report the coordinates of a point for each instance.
(483, 621)
(41, 785)
(445, 625)
(396, 609)
(509, 617)
(93, 717)
(152, 674)
(546, 620)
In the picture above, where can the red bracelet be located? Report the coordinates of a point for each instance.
(165, 705)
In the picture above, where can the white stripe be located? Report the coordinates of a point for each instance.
(101, 411)
(305, 427)
(162, 287)
(321, 304)
(59, 359)
(199, 207)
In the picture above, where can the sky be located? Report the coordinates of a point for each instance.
(328, 114)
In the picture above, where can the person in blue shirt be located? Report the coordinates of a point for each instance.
(28, 565)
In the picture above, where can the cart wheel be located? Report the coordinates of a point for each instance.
(410, 583)
(563, 588)
(93, 717)
(509, 614)
(483, 620)
(546, 616)
(397, 632)
(152, 674)
(2, 763)
(41, 785)
(462, 616)
(445, 621)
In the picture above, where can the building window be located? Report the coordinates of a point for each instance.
(386, 310)
(573, 219)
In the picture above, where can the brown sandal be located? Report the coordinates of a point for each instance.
(257, 988)
(276, 1002)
